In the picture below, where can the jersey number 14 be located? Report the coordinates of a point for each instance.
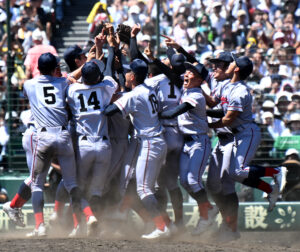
(92, 101)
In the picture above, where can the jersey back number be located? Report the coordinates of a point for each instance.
(154, 103)
(92, 101)
(49, 95)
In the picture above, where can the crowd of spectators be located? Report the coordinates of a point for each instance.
(265, 30)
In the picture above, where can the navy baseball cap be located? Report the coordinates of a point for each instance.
(244, 63)
(47, 62)
(139, 67)
(72, 53)
(199, 68)
(92, 72)
(222, 57)
(177, 60)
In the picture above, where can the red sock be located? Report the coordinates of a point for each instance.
(59, 207)
(270, 172)
(75, 220)
(166, 218)
(232, 221)
(159, 222)
(39, 219)
(88, 213)
(203, 209)
(17, 201)
(264, 186)
(127, 202)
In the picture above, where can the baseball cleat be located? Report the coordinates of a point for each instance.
(225, 234)
(15, 214)
(39, 232)
(157, 234)
(280, 178)
(91, 225)
(53, 220)
(273, 197)
(203, 224)
(75, 232)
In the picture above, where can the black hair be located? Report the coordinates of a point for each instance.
(140, 78)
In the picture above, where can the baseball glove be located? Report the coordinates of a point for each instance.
(124, 32)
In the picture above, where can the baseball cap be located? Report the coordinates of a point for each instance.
(139, 67)
(91, 72)
(146, 37)
(47, 62)
(291, 151)
(244, 63)
(177, 59)
(199, 68)
(72, 53)
(278, 35)
(284, 97)
(241, 13)
(216, 4)
(295, 117)
(268, 104)
(267, 115)
(37, 35)
(222, 57)
(296, 96)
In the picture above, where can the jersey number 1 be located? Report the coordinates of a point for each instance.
(93, 100)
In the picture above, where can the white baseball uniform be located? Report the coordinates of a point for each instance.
(193, 124)
(87, 103)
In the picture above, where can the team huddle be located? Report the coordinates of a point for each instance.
(140, 127)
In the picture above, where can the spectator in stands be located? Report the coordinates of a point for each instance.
(3, 195)
(283, 99)
(275, 125)
(293, 125)
(4, 138)
(31, 60)
(292, 163)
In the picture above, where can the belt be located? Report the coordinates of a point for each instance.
(84, 138)
(44, 129)
(188, 138)
(224, 136)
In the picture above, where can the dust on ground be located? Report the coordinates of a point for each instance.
(249, 241)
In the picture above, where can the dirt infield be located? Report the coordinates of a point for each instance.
(249, 241)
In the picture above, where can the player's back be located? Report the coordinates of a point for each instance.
(142, 105)
(87, 103)
(47, 97)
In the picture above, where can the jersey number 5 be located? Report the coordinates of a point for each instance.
(49, 97)
(93, 100)
(154, 103)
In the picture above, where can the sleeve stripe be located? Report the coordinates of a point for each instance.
(120, 106)
(235, 107)
(190, 101)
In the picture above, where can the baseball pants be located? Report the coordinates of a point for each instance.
(218, 179)
(169, 173)
(93, 162)
(53, 141)
(193, 160)
(149, 162)
(246, 143)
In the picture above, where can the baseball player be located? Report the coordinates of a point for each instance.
(192, 123)
(14, 208)
(141, 105)
(46, 95)
(87, 103)
(219, 183)
(236, 102)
